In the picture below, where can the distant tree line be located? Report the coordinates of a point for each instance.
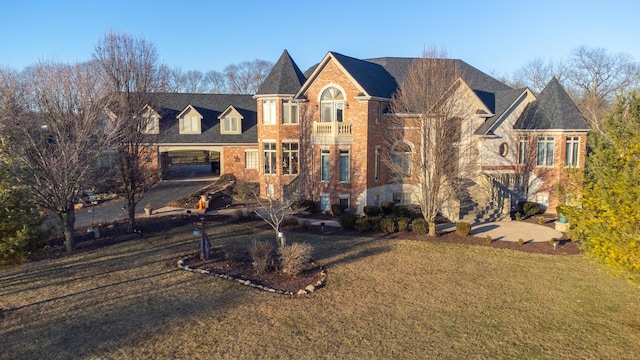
(592, 77)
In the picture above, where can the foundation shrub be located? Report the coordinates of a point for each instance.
(387, 207)
(420, 226)
(362, 224)
(463, 228)
(387, 226)
(530, 208)
(403, 224)
(348, 221)
(371, 210)
(401, 211)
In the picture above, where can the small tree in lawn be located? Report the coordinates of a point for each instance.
(275, 211)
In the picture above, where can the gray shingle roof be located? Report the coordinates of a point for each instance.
(284, 78)
(501, 102)
(210, 106)
(553, 109)
(381, 76)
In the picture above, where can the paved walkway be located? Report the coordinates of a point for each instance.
(511, 231)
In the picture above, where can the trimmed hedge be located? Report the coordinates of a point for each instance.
(387, 207)
(348, 221)
(530, 208)
(403, 224)
(387, 226)
(463, 228)
(372, 210)
(420, 226)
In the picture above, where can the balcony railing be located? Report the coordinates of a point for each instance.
(332, 129)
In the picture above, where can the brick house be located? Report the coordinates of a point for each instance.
(324, 132)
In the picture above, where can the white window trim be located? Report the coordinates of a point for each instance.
(345, 197)
(253, 153)
(575, 141)
(238, 129)
(273, 113)
(288, 107)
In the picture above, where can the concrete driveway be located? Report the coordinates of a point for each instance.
(158, 197)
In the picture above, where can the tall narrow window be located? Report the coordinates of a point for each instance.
(402, 159)
(332, 102)
(290, 158)
(345, 161)
(376, 164)
(289, 112)
(324, 164)
(545, 151)
(269, 157)
(268, 112)
(572, 147)
(523, 142)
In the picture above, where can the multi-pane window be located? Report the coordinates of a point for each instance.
(324, 164)
(376, 164)
(251, 159)
(345, 160)
(290, 158)
(401, 198)
(402, 159)
(289, 112)
(545, 149)
(268, 112)
(523, 142)
(230, 125)
(332, 103)
(189, 124)
(572, 148)
(269, 157)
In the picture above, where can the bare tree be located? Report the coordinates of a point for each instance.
(597, 76)
(429, 137)
(535, 75)
(215, 82)
(274, 210)
(246, 77)
(55, 133)
(129, 70)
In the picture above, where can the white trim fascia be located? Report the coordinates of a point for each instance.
(553, 130)
(260, 96)
(371, 98)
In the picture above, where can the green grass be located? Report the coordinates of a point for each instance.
(385, 299)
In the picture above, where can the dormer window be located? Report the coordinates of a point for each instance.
(332, 105)
(150, 121)
(190, 124)
(230, 124)
(190, 121)
(230, 121)
(151, 125)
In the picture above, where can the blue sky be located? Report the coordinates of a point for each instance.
(497, 37)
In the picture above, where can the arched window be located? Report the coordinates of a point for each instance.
(332, 103)
(402, 159)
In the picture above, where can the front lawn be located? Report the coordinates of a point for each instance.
(386, 298)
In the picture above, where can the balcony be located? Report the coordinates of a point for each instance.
(332, 132)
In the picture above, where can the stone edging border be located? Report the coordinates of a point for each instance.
(184, 265)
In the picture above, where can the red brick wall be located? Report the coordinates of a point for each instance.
(233, 161)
